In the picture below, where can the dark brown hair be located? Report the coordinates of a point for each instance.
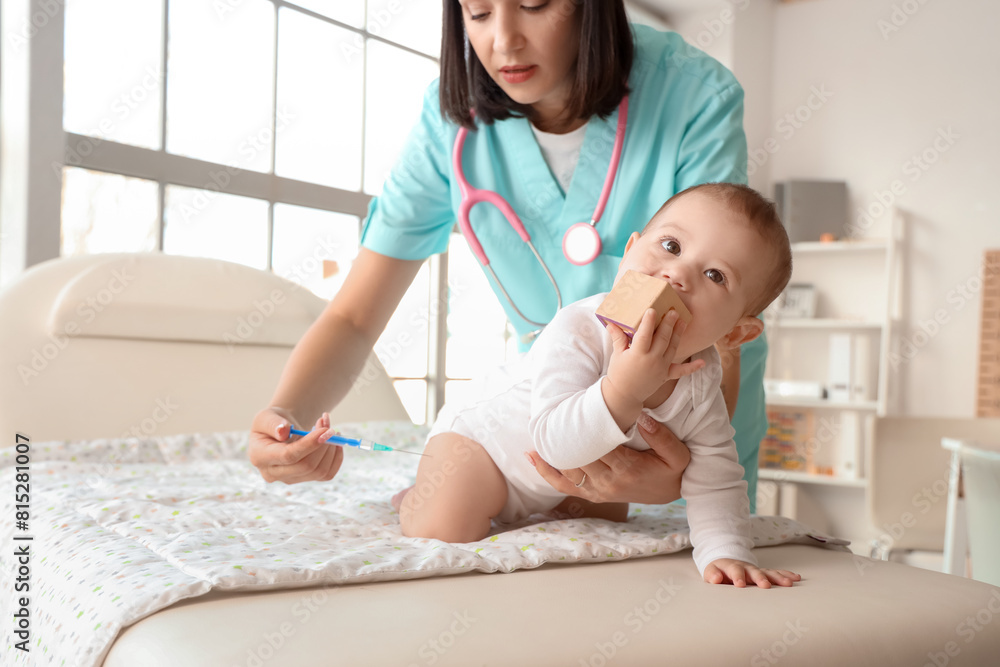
(602, 68)
(762, 216)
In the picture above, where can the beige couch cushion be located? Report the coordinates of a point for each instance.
(162, 297)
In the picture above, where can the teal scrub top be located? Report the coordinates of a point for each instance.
(685, 127)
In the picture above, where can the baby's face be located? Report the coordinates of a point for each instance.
(711, 257)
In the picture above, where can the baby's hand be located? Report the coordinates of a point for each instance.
(638, 369)
(738, 572)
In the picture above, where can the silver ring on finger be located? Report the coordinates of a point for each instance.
(582, 481)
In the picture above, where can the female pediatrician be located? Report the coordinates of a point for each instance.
(540, 93)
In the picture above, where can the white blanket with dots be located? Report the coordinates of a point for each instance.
(122, 528)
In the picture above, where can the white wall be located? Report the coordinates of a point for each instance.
(892, 95)
(706, 29)
(752, 58)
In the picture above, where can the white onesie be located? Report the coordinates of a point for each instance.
(550, 400)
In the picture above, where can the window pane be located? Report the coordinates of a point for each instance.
(413, 395)
(203, 223)
(220, 77)
(351, 12)
(394, 95)
(477, 325)
(413, 23)
(107, 213)
(108, 95)
(319, 90)
(310, 244)
(402, 348)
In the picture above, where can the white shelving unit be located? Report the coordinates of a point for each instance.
(857, 285)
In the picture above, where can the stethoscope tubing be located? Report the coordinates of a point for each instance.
(616, 156)
(470, 196)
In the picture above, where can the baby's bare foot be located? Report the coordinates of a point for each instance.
(397, 500)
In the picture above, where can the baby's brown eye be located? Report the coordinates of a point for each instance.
(672, 246)
(715, 276)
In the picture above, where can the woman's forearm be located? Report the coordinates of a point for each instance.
(321, 369)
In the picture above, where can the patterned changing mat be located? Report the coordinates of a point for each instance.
(125, 527)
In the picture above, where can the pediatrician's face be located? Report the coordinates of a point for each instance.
(529, 47)
(712, 258)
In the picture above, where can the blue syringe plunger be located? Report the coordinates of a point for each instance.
(360, 443)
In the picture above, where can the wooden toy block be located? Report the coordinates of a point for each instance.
(632, 295)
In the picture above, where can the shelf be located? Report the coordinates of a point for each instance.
(865, 245)
(774, 475)
(822, 323)
(800, 402)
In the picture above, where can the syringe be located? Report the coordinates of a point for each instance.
(360, 443)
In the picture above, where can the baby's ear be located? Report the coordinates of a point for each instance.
(631, 239)
(744, 331)
(628, 244)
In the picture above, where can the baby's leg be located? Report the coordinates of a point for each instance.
(458, 490)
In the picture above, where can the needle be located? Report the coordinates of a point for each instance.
(360, 443)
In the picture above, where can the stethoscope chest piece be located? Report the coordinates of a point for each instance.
(581, 243)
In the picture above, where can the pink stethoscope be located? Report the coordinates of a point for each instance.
(581, 243)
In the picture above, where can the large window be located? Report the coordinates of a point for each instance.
(256, 131)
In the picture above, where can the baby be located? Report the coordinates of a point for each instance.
(577, 393)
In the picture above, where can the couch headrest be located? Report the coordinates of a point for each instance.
(167, 297)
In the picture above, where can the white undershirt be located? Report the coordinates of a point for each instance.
(561, 152)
